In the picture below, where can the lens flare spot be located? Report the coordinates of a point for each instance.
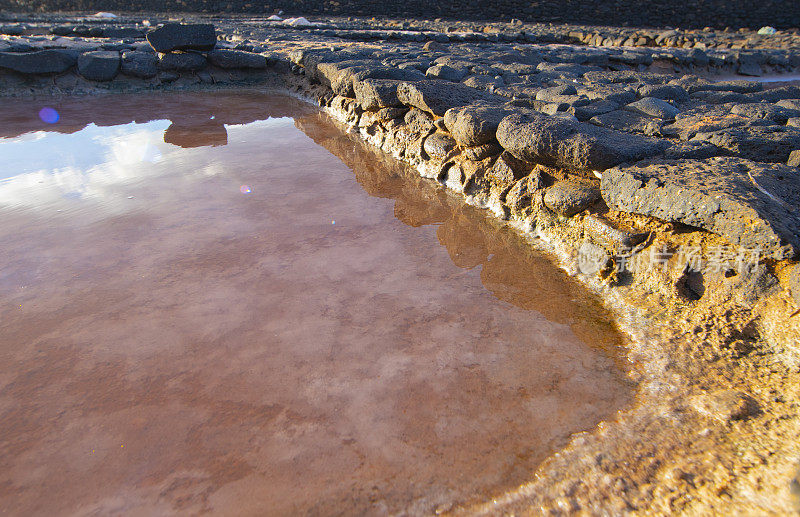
(49, 115)
(244, 189)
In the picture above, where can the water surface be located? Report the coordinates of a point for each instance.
(221, 303)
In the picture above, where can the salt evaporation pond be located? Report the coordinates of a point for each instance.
(230, 306)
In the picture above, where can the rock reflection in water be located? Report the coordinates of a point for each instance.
(196, 134)
(172, 344)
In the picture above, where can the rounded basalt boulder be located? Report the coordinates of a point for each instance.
(559, 142)
(569, 197)
(437, 145)
(182, 61)
(446, 73)
(475, 124)
(653, 107)
(99, 65)
(176, 36)
(374, 94)
(139, 64)
(436, 97)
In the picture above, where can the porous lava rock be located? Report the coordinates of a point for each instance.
(177, 36)
(753, 205)
(99, 65)
(50, 61)
(561, 142)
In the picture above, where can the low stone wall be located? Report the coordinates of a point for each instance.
(656, 13)
(675, 196)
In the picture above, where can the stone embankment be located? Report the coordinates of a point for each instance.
(669, 191)
(653, 13)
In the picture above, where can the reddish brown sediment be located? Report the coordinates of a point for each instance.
(172, 344)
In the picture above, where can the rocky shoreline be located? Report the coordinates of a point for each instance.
(674, 195)
(652, 13)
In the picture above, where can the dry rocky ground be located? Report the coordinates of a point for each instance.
(621, 151)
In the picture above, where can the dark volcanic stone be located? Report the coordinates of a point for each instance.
(520, 195)
(506, 170)
(176, 36)
(438, 145)
(653, 107)
(342, 76)
(446, 73)
(418, 121)
(12, 30)
(437, 97)
(481, 152)
(753, 205)
(584, 113)
(182, 61)
(99, 65)
(775, 94)
(664, 91)
(224, 58)
(483, 82)
(760, 143)
(629, 121)
(621, 94)
(570, 197)
(139, 64)
(765, 111)
(475, 124)
(388, 73)
(696, 150)
(560, 142)
(373, 94)
(339, 72)
(53, 61)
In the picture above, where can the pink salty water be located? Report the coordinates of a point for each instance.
(221, 303)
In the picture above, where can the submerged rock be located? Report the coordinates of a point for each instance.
(177, 36)
(753, 205)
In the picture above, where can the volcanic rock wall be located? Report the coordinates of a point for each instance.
(656, 13)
